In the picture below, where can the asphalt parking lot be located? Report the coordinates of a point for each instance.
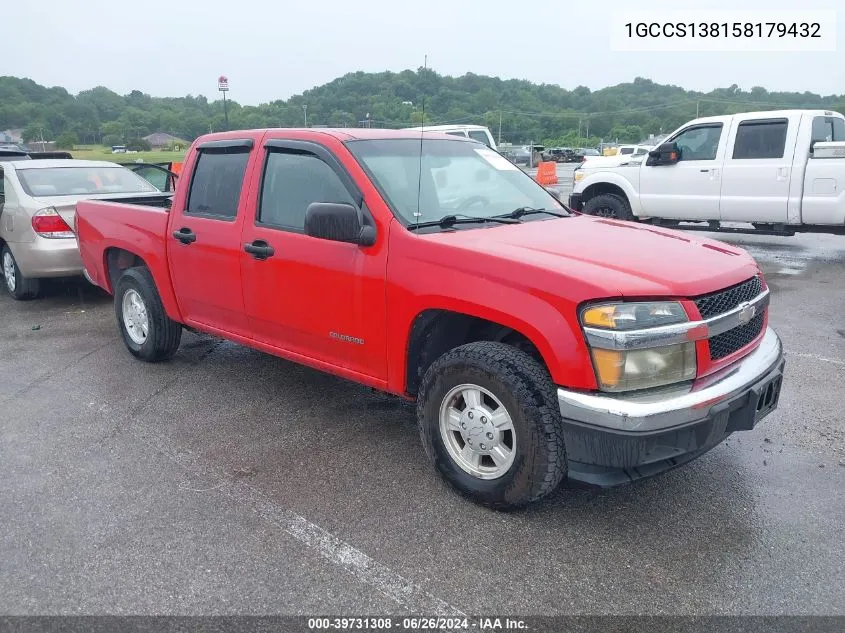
(229, 481)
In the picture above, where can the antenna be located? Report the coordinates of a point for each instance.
(422, 128)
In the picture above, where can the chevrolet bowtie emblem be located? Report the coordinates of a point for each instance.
(746, 313)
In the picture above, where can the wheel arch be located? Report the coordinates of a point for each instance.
(435, 331)
(116, 259)
(609, 183)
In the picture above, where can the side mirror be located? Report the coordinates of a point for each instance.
(666, 154)
(337, 222)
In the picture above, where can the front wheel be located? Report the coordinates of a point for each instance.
(608, 205)
(19, 287)
(490, 423)
(149, 334)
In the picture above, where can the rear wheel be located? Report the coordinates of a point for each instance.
(19, 287)
(149, 334)
(608, 205)
(490, 423)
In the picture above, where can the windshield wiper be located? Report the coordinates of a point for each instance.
(519, 212)
(452, 219)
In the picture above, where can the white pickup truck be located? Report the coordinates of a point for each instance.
(781, 171)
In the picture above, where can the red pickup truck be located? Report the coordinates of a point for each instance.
(537, 343)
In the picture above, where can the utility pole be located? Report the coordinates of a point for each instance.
(305, 112)
(697, 104)
(579, 129)
(500, 128)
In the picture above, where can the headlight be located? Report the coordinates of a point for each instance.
(626, 370)
(579, 175)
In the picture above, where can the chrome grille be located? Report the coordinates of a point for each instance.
(728, 342)
(724, 300)
(716, 303)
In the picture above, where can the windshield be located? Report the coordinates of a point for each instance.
(72, 181)
(452, 177)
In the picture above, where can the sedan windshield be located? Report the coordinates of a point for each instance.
(72, 181)
(425, 181)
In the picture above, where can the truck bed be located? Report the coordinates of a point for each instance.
(136, 224)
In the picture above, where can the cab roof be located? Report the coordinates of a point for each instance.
(341, 134)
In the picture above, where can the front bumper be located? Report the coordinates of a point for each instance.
(575, 201)
(614, 439)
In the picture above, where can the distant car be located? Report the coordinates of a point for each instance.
(519, 156)
(37, 206)
(557, 154)
(584, 153)
(632, 150)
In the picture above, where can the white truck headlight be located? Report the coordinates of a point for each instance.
(629, 369)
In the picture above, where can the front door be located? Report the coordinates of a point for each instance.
(316, 298)
(690, 188)
(204, 237)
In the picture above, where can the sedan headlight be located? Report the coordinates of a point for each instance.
(629, 369)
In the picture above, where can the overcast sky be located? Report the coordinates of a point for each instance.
(272, 49)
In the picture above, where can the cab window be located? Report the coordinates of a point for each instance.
(765, 138)
(700, 142)
(292, 181)
(217, 182)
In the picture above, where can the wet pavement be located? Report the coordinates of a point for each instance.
(229, 481)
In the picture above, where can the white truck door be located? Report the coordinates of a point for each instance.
(688, 189)
(757, 168)
(822, 191)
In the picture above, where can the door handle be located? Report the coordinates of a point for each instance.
(704, 171)
(185, 235)
(259, 249)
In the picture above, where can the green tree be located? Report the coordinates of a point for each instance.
(37, 131)
(66, 140)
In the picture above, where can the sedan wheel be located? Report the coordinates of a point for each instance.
(19, 287)
(9, 271)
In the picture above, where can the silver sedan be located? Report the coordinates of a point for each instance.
(37, 206)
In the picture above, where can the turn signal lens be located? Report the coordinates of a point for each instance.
(634, 316)
(48, 223)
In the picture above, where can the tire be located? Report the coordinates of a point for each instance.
(20, 287)
(608, 205)
(523, 387)
(161, 338)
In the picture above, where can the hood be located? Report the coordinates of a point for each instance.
(608, 257)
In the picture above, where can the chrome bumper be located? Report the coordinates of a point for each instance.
(675, 406)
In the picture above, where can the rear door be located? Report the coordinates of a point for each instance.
(204, 248)
(756, 172)
(689, 189)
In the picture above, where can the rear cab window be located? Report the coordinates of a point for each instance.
(218, 179)
(828, 128)
(763, 138)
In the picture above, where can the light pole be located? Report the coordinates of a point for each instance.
(305, 113)
(223, 86)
